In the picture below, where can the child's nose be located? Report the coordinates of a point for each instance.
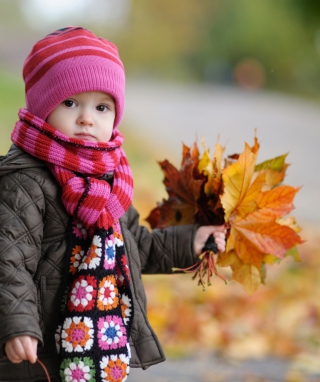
(85, 118)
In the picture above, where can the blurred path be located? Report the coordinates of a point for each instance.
(213, 369)
(169, 114)
(191, 370)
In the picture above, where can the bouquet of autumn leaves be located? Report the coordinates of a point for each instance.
(250, 198)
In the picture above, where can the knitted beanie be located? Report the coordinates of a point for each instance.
(69, 61)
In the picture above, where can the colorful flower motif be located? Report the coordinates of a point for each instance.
(77, 370)
(114, 368)
(108, 293)
(82, 294)
(118, 242)
(93, 257)
(126, 308)
(79, 230)
(117, 230)
(111, 333)
(125, 265)
(109, 260)
(77, 335)
(119, 277)
(75, 260)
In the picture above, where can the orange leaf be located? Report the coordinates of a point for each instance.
(244, 246)
(258, 235)
(256, 146)
(278, 201)
(187, 153)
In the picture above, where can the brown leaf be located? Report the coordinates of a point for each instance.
(248, 197)
(183, 190)
(171, 212)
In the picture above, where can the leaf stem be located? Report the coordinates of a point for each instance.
(206, 266)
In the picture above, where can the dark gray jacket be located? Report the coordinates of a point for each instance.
(33, 238)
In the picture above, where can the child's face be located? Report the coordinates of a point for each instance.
(88, 116)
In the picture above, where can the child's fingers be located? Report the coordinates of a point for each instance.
(203, 233)
(22, 348)
(219, 235)
(15, 351)
(220, 239)
(31, 349)
(218, 228)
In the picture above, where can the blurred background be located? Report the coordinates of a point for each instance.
(221, 70)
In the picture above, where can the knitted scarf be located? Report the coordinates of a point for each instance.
(97, 306)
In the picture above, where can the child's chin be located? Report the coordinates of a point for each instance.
(88, 138)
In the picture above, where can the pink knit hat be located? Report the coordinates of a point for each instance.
(69, 61)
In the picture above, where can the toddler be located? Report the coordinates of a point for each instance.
(71, 247)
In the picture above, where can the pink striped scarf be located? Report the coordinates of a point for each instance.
(78, 166)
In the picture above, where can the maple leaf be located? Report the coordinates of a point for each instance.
(247, 196)
(254, 237)
(278, 201)
(183, 190)
(252, 208)
(237, 179)
(212, 169)
(275, 170)
(246, 274)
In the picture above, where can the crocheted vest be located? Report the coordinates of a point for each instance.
(97, 309)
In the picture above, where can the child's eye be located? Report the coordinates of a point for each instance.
(68, 103)
(102, 107)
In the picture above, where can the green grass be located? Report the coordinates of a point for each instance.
(11, 99)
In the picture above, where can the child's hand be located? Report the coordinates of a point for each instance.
(202, 234)
(23, 348)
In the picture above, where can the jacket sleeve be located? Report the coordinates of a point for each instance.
(162, 249)
(21, 228)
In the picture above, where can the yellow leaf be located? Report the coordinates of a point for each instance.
(228, 259)
(205, 165)
(248, 276)
(270, 259)
(236, 179)
(249, 202)
(217, 159)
